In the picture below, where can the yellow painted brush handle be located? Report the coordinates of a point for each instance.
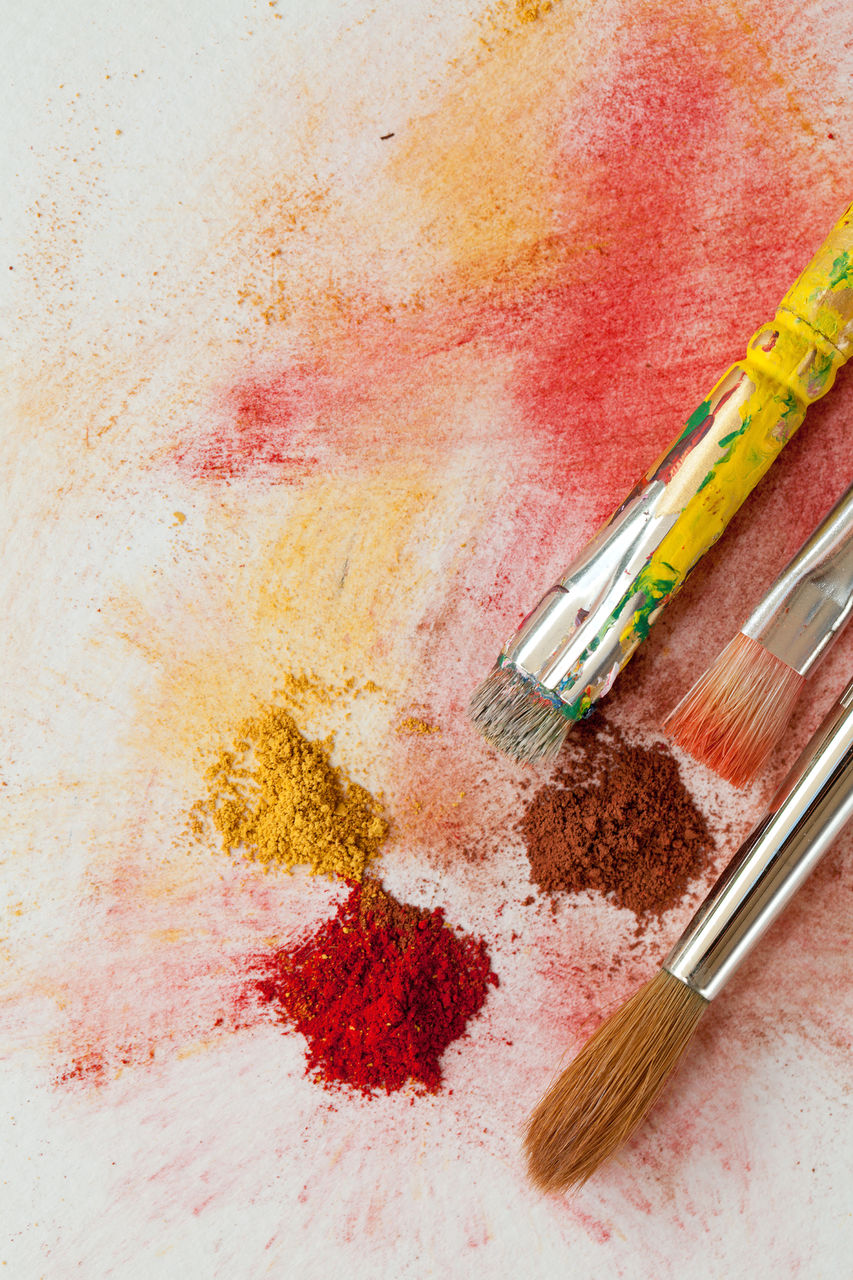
(583, 632)
(736, 432)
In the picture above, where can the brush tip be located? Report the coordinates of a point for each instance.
(604, 1094)
(512, 714)
(736, 713)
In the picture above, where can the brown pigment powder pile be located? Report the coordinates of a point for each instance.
(618, 819)
(276, 798)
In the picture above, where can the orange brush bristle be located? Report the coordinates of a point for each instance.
(737, 711)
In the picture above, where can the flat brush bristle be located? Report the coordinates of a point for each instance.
(513, 716)
(602, 1097)
(737, 711)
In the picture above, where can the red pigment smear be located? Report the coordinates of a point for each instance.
(197, 1009)
(635, 332)
(160, 971)
(379, 992)
(263, 424)
(309, 416)
(661, 192)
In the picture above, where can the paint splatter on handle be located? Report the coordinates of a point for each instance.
(728, 443)
(755, 408)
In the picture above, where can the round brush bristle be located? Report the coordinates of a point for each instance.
(736, 713)
(601, 1098)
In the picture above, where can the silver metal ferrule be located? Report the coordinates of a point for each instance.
(811, 600)
(553, 641)
(813, 804)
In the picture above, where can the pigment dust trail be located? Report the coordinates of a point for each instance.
(616, 818)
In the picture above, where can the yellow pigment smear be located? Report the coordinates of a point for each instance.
(276, 798)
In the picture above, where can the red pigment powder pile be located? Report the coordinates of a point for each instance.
(616, 818)
(379, 992)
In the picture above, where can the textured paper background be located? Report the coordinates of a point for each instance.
(286, 394)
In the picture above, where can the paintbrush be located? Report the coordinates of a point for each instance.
(569, 650)
(603, 1095)
(736, 713)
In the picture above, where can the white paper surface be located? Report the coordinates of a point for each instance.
(286, 394)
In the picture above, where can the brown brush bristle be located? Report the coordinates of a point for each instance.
(601, 1098)
(737, 711)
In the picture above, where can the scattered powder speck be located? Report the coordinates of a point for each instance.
(378, 992)
(617, 818)
(506, 13)
(414, 724)
(276, 798)
(302, 690)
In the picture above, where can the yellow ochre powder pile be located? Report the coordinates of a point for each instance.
(276, 798)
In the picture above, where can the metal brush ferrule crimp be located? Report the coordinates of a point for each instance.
(572, 644)
(808, 811)
(811, 600)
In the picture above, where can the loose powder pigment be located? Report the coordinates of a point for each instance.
(616, 818)
(276, 798)
(379, 992)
